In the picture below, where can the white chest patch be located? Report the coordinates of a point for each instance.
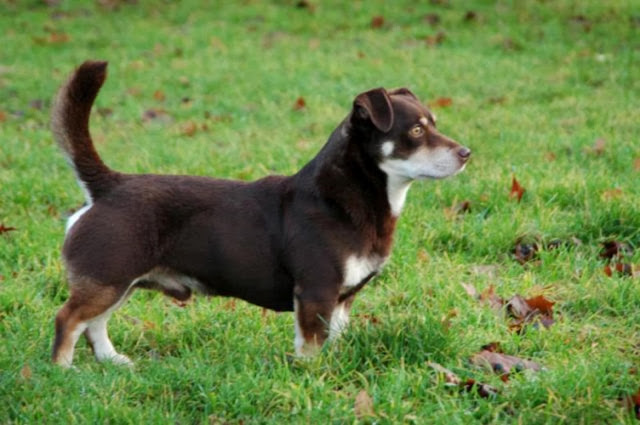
(357, 268)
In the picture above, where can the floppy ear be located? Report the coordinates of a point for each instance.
(404, 91)
(375, 105)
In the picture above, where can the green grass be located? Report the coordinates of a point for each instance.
(533, 85)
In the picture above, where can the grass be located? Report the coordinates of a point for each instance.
(533, 85)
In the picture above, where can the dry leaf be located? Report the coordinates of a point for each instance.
(613, 248)
(470, 16)
(449, 377)
(363, 405)
(189, 128)
(525, 252)
(434, 40)
(598, 147)
(636, 162)
(489, 296)
(25, 372)
(503, 363)
(159, 95)
(441, 102)
(158, 115)
(6, 229)
(3, 117)
(377, 21)
(300, 104)
(516, 189)
(470, 290)
(432, 19)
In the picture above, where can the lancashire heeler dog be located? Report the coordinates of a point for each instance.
(305, 243)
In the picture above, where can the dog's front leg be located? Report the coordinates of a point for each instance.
(312, 323)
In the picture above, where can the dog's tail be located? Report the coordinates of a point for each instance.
(70, 125)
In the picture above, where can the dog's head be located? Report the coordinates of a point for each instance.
(401, 136)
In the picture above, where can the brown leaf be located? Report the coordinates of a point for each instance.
(441, 102)
(363, 406)
(159, 95)
(470, 16)
(304, 4)
(613, 248)
(632, 402)
(189, 128)
(484, 390)
(516, 189)
(503, 363)
(377, 21)
(25, 372)
(636, 162)
(436, 39)
(300, 104)
(5, 229)
(3, 118)
(598, 147)
(610, 194)
(489, 296)
(525, 252)
(449, 377)
(470, 290)
(432, 19)
(518, 307)
(458, 209)
(159, 115)
(623, 269)
(541, 304)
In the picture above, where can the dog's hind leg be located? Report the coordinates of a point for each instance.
(87, 310)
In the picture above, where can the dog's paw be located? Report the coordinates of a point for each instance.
(121, 359)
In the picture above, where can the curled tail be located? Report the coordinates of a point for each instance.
(70, 125)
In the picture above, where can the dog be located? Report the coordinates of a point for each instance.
(305, 243)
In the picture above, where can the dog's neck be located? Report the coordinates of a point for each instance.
(350, 181)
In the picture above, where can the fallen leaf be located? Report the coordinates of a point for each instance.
(525, 252)
(449, 377)
(441, 102)
(541, 304)
(5, 229)
(581, 21)
(612, 194)
(3, 118)
(470, 290)
(159, 115)
(598, 147)
(363, 406)
(636, 162)
(436, 39)
(458, 209)
(483, 390)
(159, 95)
(622, 269)
(377, 21)
(25, 372)
(432, 19)
(300, 104)
(452, 379)
(490, 297)
(615, 249)
(550, 156)
(189, 128)
(632, 403)
(304, 4)
(503, 363)
(495, 100)
(516, 189)
(470, 16)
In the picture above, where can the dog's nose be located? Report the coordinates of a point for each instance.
(464, 153)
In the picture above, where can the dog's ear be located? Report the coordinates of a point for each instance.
(405, 92)
(374, 105)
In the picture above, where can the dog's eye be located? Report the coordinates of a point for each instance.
(416, 131)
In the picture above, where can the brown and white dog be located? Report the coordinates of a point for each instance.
(307, 242)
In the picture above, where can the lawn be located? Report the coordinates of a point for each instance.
(543, 92)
